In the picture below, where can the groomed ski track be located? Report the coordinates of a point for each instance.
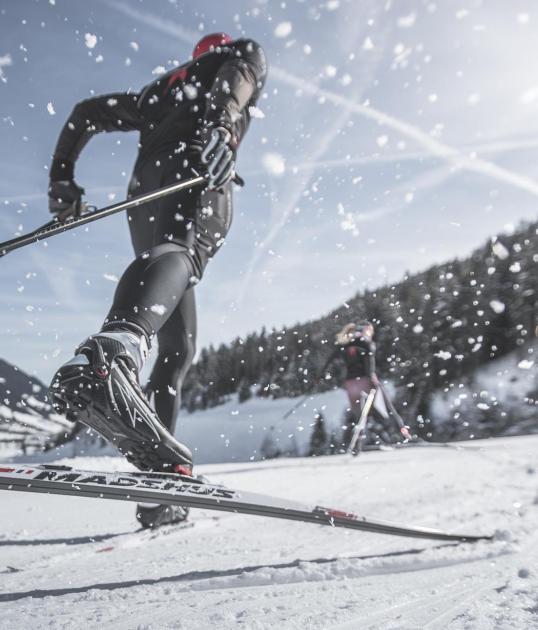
(67, 562)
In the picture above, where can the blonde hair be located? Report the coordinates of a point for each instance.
(345, 335)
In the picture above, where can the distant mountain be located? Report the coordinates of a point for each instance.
(26, 418)
(16, 387)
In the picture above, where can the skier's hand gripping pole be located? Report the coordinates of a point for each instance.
(65, 199)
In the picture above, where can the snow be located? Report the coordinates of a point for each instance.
(90, 40)
(159, 309)
(5, 60)
(407, 21)
(274, 163)
(235, 432)
(500, 250)
(69, 562)
(283, 29)
(497, 306)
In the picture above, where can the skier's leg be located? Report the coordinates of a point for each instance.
(176, 339)
(99, 386)
(177, 346)
(151, 288)
(188, 228)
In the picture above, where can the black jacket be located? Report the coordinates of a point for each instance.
(215, 89)
(358, 356)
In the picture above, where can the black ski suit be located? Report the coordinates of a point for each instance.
(174, 237)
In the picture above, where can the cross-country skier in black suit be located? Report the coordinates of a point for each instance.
(191, 121)
(355, 346)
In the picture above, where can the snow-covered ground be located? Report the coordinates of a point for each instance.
(236, 432)
(80, 563)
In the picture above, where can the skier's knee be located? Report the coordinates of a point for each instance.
(182, 255)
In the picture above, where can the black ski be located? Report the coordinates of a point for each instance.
(195, 493)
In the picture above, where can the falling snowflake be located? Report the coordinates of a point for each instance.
(159, 309)
(90, 40)
(500, 250)
(191, 91)
(497, 307)
(256, 112)
(407, 21)
(274, 163)
(329, 70)
(5, 61)
(283, 29)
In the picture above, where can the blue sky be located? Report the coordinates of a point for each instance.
(394, 135)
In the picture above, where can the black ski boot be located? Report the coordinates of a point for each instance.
(99, 387)
(151, 515)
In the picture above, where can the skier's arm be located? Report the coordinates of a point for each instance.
(111, 112)
(330, 359)
(371, 359)
(236, 85)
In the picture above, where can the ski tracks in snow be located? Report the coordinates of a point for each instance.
(245, 572)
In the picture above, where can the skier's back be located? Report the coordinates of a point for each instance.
(191, 121)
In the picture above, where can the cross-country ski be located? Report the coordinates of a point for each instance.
(172, 489)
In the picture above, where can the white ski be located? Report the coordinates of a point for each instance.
(175, 489)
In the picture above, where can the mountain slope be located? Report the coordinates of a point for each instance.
(26, 418)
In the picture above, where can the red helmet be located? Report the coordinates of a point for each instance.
(209, 42)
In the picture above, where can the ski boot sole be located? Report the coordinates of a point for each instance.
(103, 403)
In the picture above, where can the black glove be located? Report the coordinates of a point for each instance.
(65, 198)
(218, 155)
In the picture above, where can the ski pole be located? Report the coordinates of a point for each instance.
(296, 406)
(301, 401)
(355, 445)
(58, 227)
